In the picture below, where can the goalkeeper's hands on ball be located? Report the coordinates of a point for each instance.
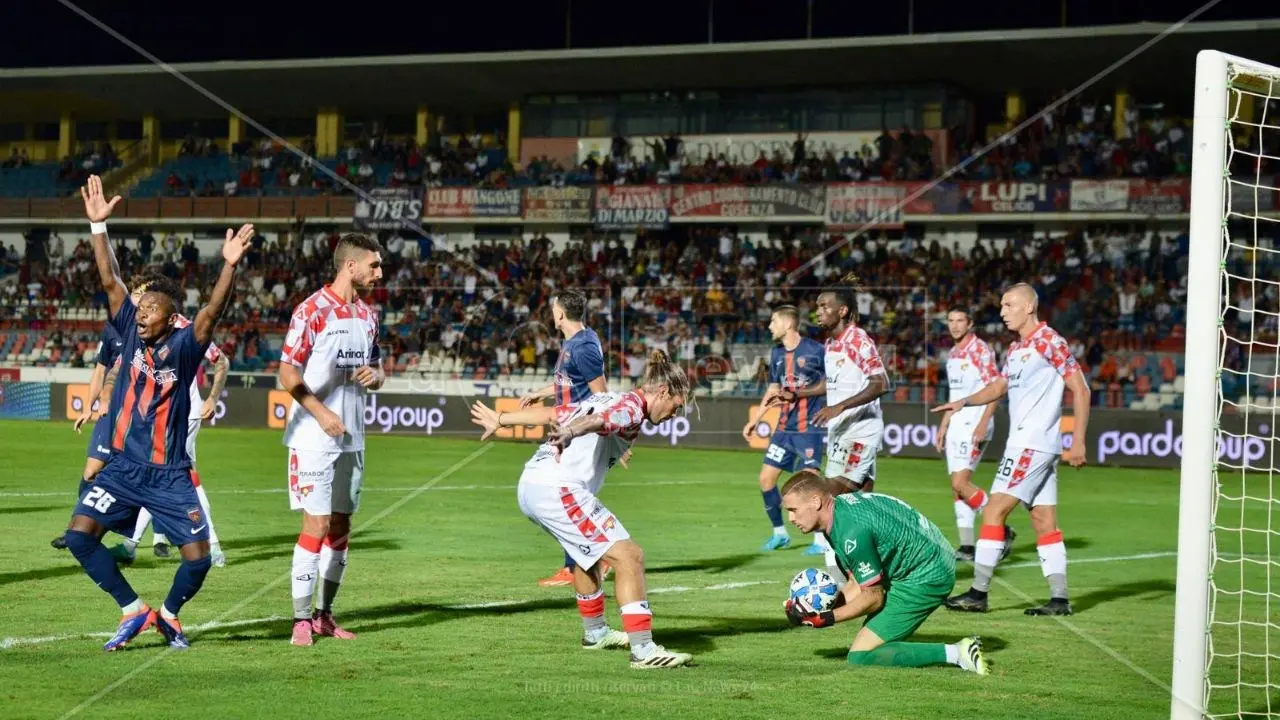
(799, 613)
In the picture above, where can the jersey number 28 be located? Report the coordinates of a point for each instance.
(99, 499)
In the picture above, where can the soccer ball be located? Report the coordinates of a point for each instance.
(815, 589)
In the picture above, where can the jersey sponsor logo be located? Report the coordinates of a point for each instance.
(864, 568)
(162, 376)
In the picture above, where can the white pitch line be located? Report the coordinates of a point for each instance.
(14, 642)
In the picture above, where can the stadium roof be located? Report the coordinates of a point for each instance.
(986, 62)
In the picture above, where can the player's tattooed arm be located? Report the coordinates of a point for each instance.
(233, 249)
(97, 208)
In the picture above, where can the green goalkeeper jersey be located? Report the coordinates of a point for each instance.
(881, 538)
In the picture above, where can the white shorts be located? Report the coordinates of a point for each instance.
(193, 428)
(1029, 475)
(853, 456)
(585, 528)
(962, 453)
(325, 482)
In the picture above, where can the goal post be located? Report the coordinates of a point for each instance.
(1240, 605)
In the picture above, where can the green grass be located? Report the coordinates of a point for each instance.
(697, 514)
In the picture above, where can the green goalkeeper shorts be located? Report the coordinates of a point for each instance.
(906, 607)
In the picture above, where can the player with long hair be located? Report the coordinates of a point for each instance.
(558, 488)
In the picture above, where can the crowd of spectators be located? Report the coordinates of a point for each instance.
(703, 294)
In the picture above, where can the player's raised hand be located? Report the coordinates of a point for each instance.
(486, 417)
(237, 243)
(96, 206)
(1075, 457)
(953, 406)
(331, 423)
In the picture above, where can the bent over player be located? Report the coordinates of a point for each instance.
(1038, 366)
(149, 465)
(558, 488)
(329, 360)
(897, 569)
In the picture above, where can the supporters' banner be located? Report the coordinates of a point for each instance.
(1100, 196)
(747, 201)
(8, 375)
(558, 204)
(389, 209)
(745, 148)
(451, 202)
(857, 205)
(627, 207)
(1160, 197)
(1015, 197)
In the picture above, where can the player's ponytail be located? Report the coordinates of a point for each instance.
(662, 371)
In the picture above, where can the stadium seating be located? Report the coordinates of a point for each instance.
(33, 181)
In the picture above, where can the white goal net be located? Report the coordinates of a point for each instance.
(1227, 627)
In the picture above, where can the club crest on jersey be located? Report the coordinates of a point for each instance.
(800, 362)
(194, 516)
(164, 353)
(609, 523)
(808, 453)
(850, 545)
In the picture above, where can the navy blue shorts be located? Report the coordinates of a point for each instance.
(100, 440)
(124, 486)
(792, 451)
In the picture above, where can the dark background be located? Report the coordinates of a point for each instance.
(38, 33)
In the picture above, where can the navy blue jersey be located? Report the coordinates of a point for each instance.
(109, 346)
(581, 361)
(152, 398)
(793, 370)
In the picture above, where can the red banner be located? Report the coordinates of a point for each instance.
(10, 375)
(451, 202)
(747, 201)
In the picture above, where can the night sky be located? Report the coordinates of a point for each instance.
(42, 33)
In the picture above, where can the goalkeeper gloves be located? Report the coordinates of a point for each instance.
(801, 614)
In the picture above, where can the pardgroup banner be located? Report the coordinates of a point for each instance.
(1116, 437)
(388, 209)
(747, 201)
(450, 202)
(627, 207)
(558, 204)
(856, 205)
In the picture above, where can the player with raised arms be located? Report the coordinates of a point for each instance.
(797, 387)
(149, 466)
(1039, 364)
(329, 361)
(201, 409)
(558, 488)
(897, 569)
(579, 374)
(963, 434)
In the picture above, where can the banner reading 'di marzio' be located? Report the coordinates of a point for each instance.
(628, 207)
(740, 202)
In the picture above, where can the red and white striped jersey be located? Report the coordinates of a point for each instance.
(330, 339)
(1037, 369)
(584, 463)
(212, 354)
(850, 361)
(971, 366)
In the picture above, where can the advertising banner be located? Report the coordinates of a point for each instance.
(1116, 437)
(388, 209)
(855, 205)
(1099, 195)
(1160, 197)
(8, 375)
(1016, 197)
(627, 207)
(747, 201)
(558, 204)
(459, 202)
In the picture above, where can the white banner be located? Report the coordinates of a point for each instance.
(852, 206)
(1099, 195)
(738, 149)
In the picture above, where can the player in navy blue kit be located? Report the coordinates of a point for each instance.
(579, 374)
(95, 408)
(798, 387)
(149, 466)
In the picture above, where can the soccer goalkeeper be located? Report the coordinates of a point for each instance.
(899, 569)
